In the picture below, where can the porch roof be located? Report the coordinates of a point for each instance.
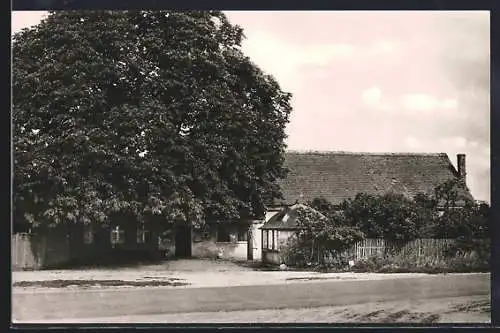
(286, 219)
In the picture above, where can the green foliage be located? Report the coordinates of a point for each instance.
(294, 253)
(389, 216)
(317, 238)
(465, 262)
(468, 222)
(142, 113)
(395, 218)
(462, 246)
(398, 220)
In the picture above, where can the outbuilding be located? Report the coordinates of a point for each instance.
(279, 229)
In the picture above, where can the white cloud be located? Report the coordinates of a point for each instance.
(323, 54)
(427, 103)
(455, 142)
(412, 142)
(419, 102)
(473, 144)
(371, 96)
(384, 47)
(449, 103)
(283, 60)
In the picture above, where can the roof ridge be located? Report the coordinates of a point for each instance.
(341, 152)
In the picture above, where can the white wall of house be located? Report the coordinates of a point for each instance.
(223, 250)
(212, 244)
(206, 244)
(256, 240)
(257, 233)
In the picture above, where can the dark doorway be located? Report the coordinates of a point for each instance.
(183, 241)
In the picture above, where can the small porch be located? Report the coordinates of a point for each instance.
(278, 230)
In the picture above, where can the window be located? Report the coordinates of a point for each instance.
(270, 239)
(222, 233)
(142, 236)
(242, 233)
(117, 236)
(88, 234)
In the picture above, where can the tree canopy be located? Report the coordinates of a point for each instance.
(146, 113)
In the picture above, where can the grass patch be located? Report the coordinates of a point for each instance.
(433, 318)
(473, 306)
(371, 315)
(397, 315)
(100, 283)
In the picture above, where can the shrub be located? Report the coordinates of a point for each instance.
(460, 263)
(336, 264)
(293, 254)
(370, 264)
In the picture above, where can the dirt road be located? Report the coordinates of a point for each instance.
(136, 302)
(470, 309)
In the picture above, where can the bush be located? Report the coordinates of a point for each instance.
(336, 264)
(371, 264)
(294, 255)
(461, 263)
(462, 246)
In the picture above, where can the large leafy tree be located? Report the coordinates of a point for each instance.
(389, 216)
(471, 220)
(142, 113)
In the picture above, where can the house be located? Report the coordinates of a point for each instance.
(337, 176)
(216, 239)
(84, 243)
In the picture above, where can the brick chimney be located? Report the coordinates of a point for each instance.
(461, 166)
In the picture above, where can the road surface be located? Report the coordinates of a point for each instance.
(66, 305)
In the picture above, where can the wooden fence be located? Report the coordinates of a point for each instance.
(419, 248)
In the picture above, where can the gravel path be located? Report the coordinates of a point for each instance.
(198, 274)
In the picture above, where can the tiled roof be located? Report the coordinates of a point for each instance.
(337, 176)
(286, 219)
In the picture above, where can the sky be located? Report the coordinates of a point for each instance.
(366, 81)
